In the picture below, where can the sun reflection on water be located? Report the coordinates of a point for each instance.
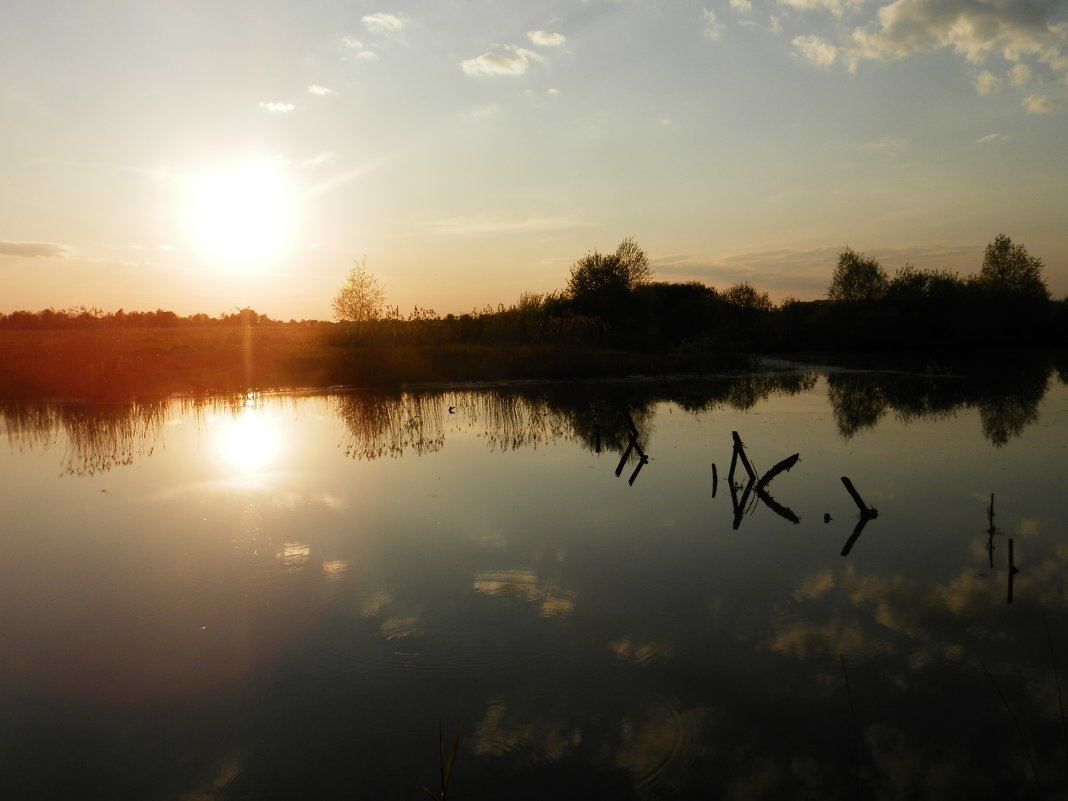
(248, 442)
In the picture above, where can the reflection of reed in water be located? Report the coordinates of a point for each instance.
(98, 436)
(391, 424)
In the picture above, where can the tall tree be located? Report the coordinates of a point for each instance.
(1009, 268)
(361, 299)
(857, 277)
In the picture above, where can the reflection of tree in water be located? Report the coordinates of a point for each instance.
(97, 436)
(857, 402)
(1004, 415)
(1007, 399)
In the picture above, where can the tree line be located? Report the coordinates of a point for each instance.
(612, 300)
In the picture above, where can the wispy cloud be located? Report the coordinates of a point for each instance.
(806, 273)
(318, 89)
(713, 28)
(986, 82)
(815, 49)
(357, 49)
(34, 250)
(1020, 75)
(741, 5)
(277, 108)
(991, 137)
(546, 38)
(1037, 104)
(496, 64)
(837, 7)
(483, 225)
(383, 23)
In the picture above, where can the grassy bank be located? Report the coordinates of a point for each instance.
(119, 364)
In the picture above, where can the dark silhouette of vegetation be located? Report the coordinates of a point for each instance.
(857, 278)
(611, 319)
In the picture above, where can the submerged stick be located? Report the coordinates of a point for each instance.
(715, 479)
(785, 464)
(864, 508)
(739, 449)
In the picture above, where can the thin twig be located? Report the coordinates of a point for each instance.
(1057, 681)
(853, 721)
(1015, 723)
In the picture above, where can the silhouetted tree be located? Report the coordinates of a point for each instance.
(857, 277)
(1009, 268)
(361, 299)
(595, 273)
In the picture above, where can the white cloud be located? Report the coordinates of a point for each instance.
(986, 82)
(834, 6)
(741, 5)
(991, 137)
(352, 42)
(546, 38)
(34, 250)
(816, 49)
(383, 23)
(277, 108)
(497, 64)
(713, 29)
(774, 25)
(1037, 104)
(1020, 75)
(317, 89)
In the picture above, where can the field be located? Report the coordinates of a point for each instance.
(120, 364)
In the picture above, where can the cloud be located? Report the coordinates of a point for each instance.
(360, 53)
(497, 64)
(815, 49)
(546, 38)
(482, 225)
(1020, 75)
(34, 250)
(383, 23)
(713, 29)
(986, 82)
(277, 108)
(975, 30)
(889, 145)
(991, 137)
(316, 89)
(834, 6)
(1037, 104)
(741, 5)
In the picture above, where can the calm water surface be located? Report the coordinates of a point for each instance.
(285, 596)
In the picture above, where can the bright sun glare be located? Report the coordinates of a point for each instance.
(241, 215)
(248, 442)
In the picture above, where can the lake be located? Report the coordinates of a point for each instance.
(294, 595)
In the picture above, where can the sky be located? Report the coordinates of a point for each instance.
(204, 156)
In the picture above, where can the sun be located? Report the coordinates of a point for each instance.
(241, 215)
